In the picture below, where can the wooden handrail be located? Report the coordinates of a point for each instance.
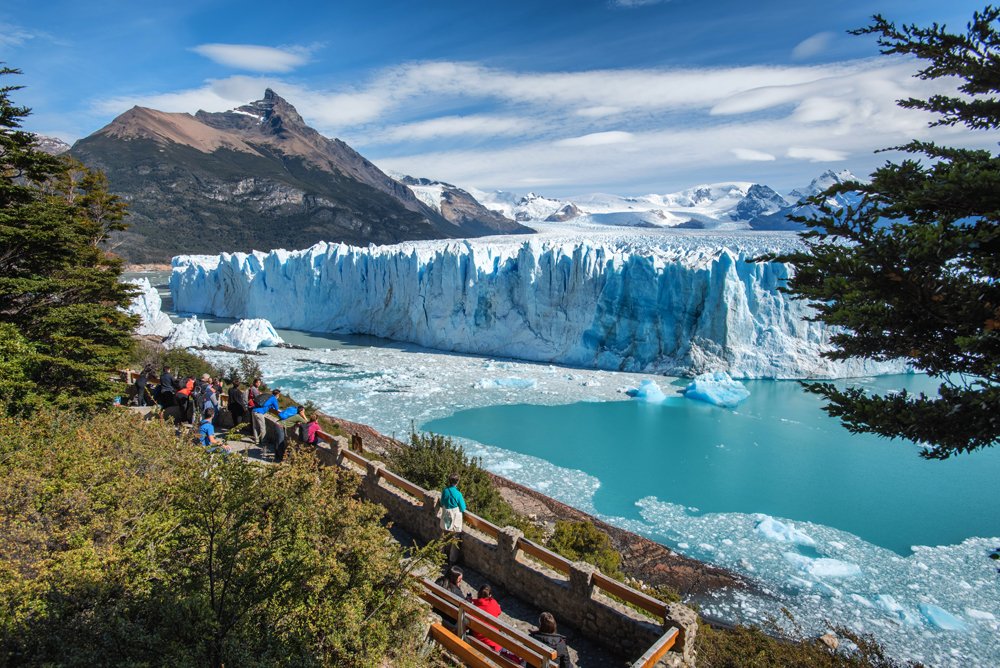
(544, 555)
(466, 653)
(658, 650)
(651, 605)
(358, 459)
(402, 483)
(479, 524)
(514, 640)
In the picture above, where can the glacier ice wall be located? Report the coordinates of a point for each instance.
(676, 306)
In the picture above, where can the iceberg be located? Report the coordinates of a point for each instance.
(147, 305)
(823, 567)
(776, 530)
(941, 618)
(647, 391)
(507, 383)
(646, 302)
(190, 333)
(717, 388)
(249, 334)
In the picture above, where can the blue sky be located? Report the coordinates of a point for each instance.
(626, 96)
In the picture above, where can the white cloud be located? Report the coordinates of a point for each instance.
(12, 36)
(598, 112)
(812, 46)
(255, 58)
(598, 139)
(629, 4)
(816, 154)
(455, 126)
(752, 155)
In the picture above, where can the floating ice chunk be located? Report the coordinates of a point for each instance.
(190, 333)
(775, 530)
(147, 305)
(895, 610)
(941, 618)
(647, 391)
(861, 600)
(980, 614)
(823, 567)
(249, 334)
(507, 383)
(717, 388)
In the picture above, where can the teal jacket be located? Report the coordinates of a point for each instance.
(452, 498)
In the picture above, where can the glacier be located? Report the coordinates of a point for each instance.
(147, 305)
(652, 302)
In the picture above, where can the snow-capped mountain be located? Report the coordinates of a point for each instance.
(778, 219)
(821, 183)
(51, 145)
(459, 207)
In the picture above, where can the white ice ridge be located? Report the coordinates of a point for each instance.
(147, 304)
(248, 334)
(655, 302)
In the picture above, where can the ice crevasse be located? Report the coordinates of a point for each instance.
(677, 307)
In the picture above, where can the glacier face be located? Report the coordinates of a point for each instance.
(655, 302)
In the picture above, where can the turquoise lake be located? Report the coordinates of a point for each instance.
(777, 454)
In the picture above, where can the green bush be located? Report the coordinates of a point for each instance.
(582, 541)
(124, 545)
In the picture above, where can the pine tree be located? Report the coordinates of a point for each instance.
(912, 271)
(58, 287)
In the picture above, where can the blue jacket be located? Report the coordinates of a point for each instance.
(207, 431)
(452, 498)
(272, 402)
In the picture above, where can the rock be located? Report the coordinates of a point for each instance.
(830, 640)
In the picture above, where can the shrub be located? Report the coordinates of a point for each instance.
(582, 541)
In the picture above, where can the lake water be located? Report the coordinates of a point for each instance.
(777, 454)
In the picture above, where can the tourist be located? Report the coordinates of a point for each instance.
(238, 402)
(548, 634)
(209, 395)
(206, 429)
(165, 390)
(452, 507)
(184, 399)
(140, 385)
(253, 401)
(312, 430)
(259, 413)
(452, 581)
(297, 417)
(484, 601)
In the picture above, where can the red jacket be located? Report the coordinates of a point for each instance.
(489, 606)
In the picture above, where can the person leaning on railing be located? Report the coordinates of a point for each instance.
(259, 413)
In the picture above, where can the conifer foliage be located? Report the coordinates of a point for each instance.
(59, 290)
(912, 271)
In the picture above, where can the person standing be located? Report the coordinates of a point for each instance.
(253, 401)
(453, 507)
(238, 402)
(290, 422)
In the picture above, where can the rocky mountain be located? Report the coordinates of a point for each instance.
(778, 219)
(256, 177)
(51, 145)
(460, 208)
(759, 201)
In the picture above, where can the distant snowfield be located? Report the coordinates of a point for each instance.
(656, 300)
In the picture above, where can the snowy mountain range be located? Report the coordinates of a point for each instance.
(737, 205)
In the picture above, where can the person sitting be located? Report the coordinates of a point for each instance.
(312, 431)
(547, 634)
(484, 601)
(452, 581)
(207, 431)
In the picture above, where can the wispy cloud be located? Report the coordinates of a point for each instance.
(255, 58)
(629, 4)
(816, 154)
(812, 46)
(752, 155)
(565, 128)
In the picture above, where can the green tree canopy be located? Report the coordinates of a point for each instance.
(58, 286)
(912, 271)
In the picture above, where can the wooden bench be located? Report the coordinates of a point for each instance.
(467, 617)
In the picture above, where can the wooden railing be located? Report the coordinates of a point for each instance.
(544, 555)
(658, 650)
(466, 653)
(655, 607)
(481, 525)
